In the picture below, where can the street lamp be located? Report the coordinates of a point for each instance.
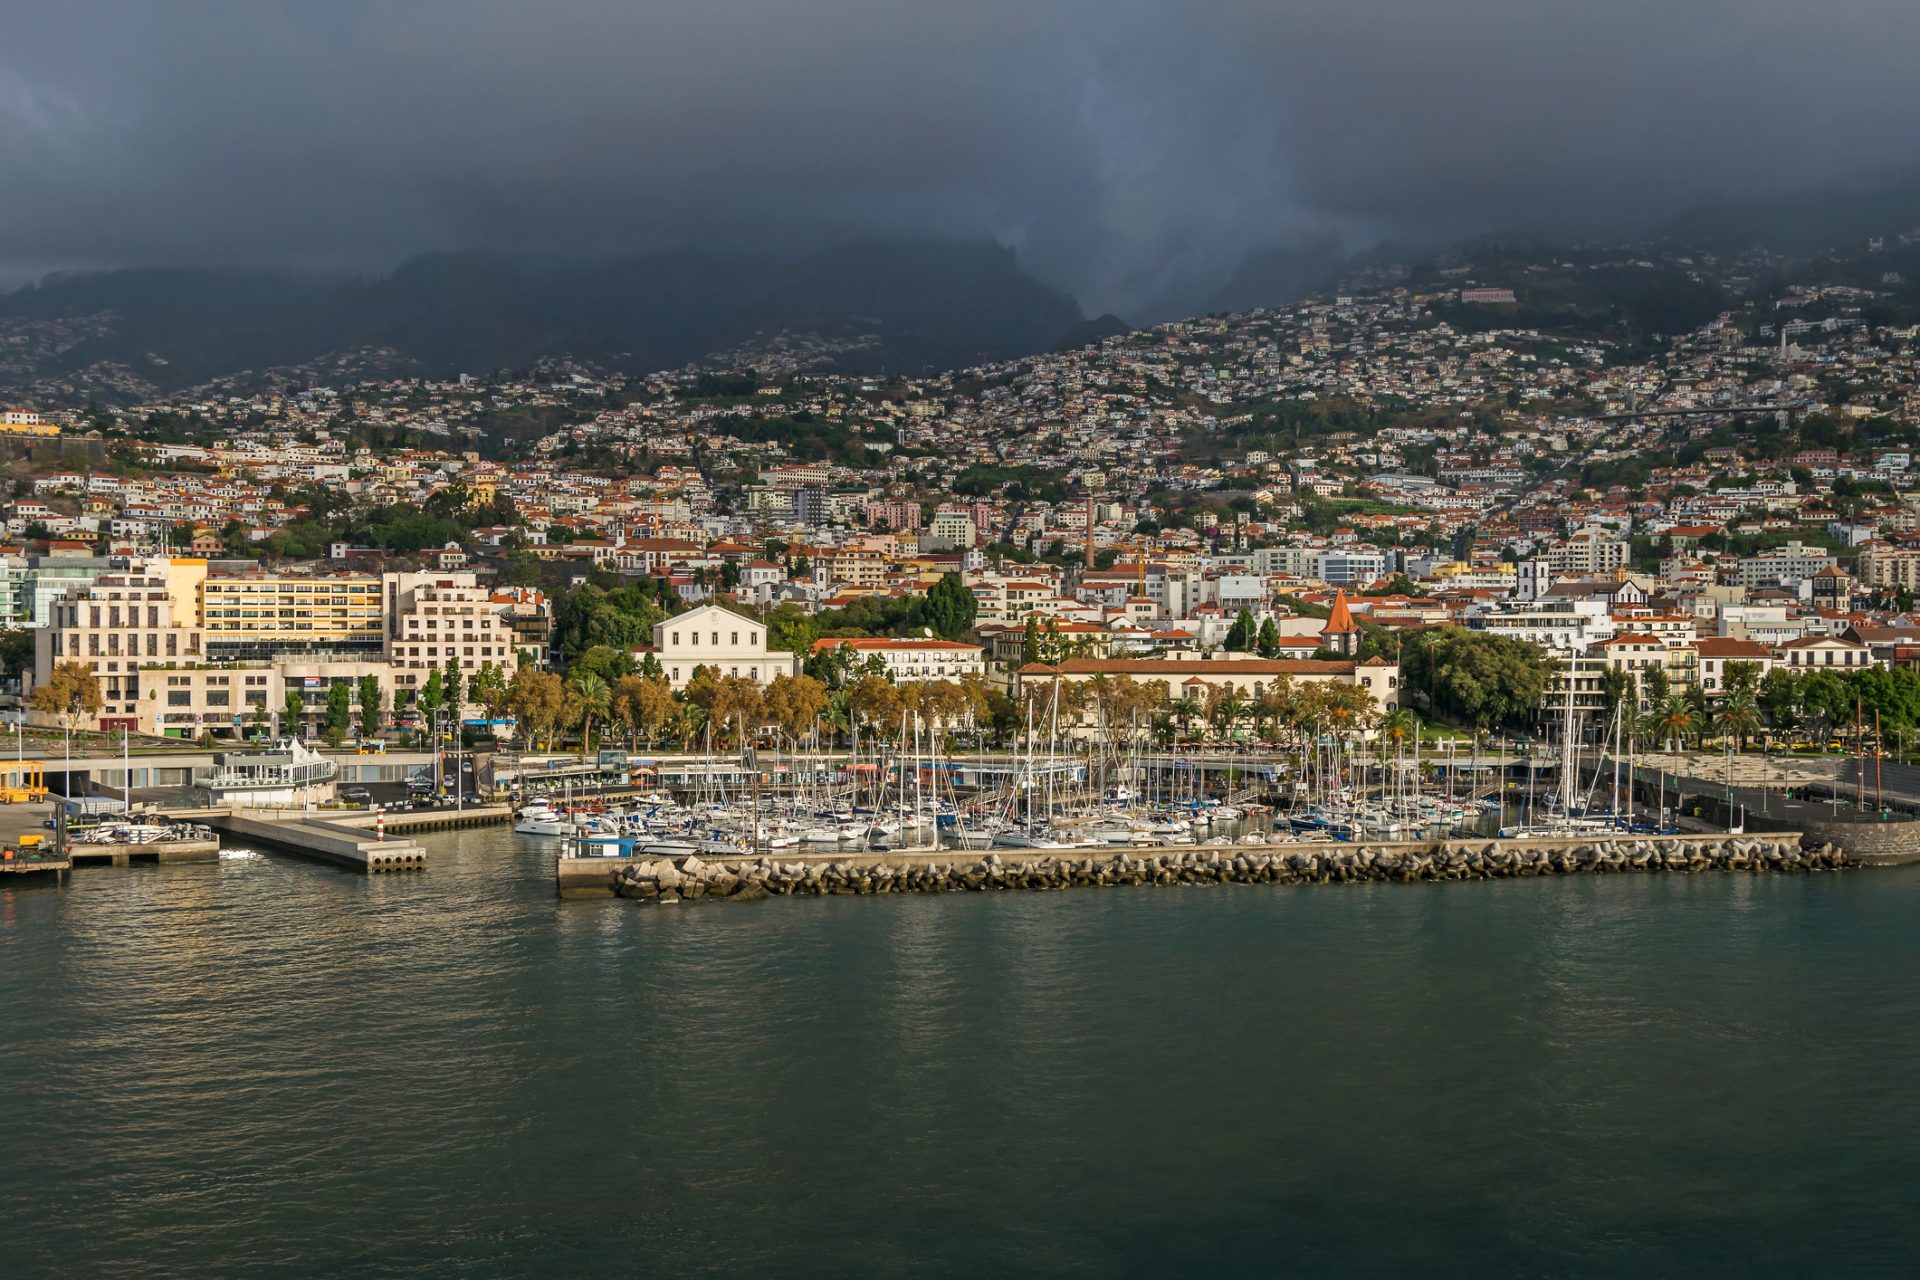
(439, 774)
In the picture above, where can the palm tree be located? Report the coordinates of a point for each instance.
(1183, 710)
(1739, 716)
(1397, 726)
(1675, 719)
(594, 700)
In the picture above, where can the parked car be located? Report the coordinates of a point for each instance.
(359, 794)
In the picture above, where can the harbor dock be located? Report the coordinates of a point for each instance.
(159, 852)
(357, 839)
(35, 861)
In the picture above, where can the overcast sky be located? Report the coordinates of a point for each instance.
(1121, 145)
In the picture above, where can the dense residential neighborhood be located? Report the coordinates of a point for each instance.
(1171, 504)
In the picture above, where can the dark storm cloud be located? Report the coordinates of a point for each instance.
(1122, 145)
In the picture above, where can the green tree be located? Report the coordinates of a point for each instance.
(490, 689)
(451, 685)
(1483, 679)
(1240, 636)
(373, 706)
(339, 713)
(1742, 677)
(607, 662)
(1616, 689)
(622, 618)
(292, 713)
(433, 694)
(950, 607)
(16, 652)
(1269, 639)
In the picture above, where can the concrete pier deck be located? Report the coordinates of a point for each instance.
(409, 820)
(36, 862)
(326, 840)
(347, 837)
(163, 851)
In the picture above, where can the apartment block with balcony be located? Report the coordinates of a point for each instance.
(116, 625)
(253, 617)
(437, 617)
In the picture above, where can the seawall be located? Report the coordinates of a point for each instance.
(674, 880)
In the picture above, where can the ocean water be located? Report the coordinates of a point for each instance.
(271, 1068)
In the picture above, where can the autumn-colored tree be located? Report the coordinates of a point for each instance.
(738, 706)
(537, 700)
(873, 702)
(703, 686)
(71, 695)
(490, 689)
(943, 705)
(794, 703)
(645, 705)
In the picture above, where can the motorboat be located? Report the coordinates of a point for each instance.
(1018, 839)
(540, 818)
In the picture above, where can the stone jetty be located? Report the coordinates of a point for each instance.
(692, 879)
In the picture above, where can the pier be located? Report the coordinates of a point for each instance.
(355, 839)
(35, 860)
(159, 852)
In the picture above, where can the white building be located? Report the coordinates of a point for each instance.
(1786, 566)
(1345, 568)
(1588, 551)
(915, 658)
(718, 638)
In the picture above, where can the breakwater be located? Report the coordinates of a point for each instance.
(667, 880)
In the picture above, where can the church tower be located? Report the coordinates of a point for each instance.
(1340, 633)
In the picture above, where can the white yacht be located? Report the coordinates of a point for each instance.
(539, 818)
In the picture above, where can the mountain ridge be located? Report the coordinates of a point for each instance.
(885, 307)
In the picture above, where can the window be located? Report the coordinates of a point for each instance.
(179, 697)
(218, 698)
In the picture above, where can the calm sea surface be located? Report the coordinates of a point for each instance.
(271, 1068)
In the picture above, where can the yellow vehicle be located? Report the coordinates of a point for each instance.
(371, 746)
(22, 782)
